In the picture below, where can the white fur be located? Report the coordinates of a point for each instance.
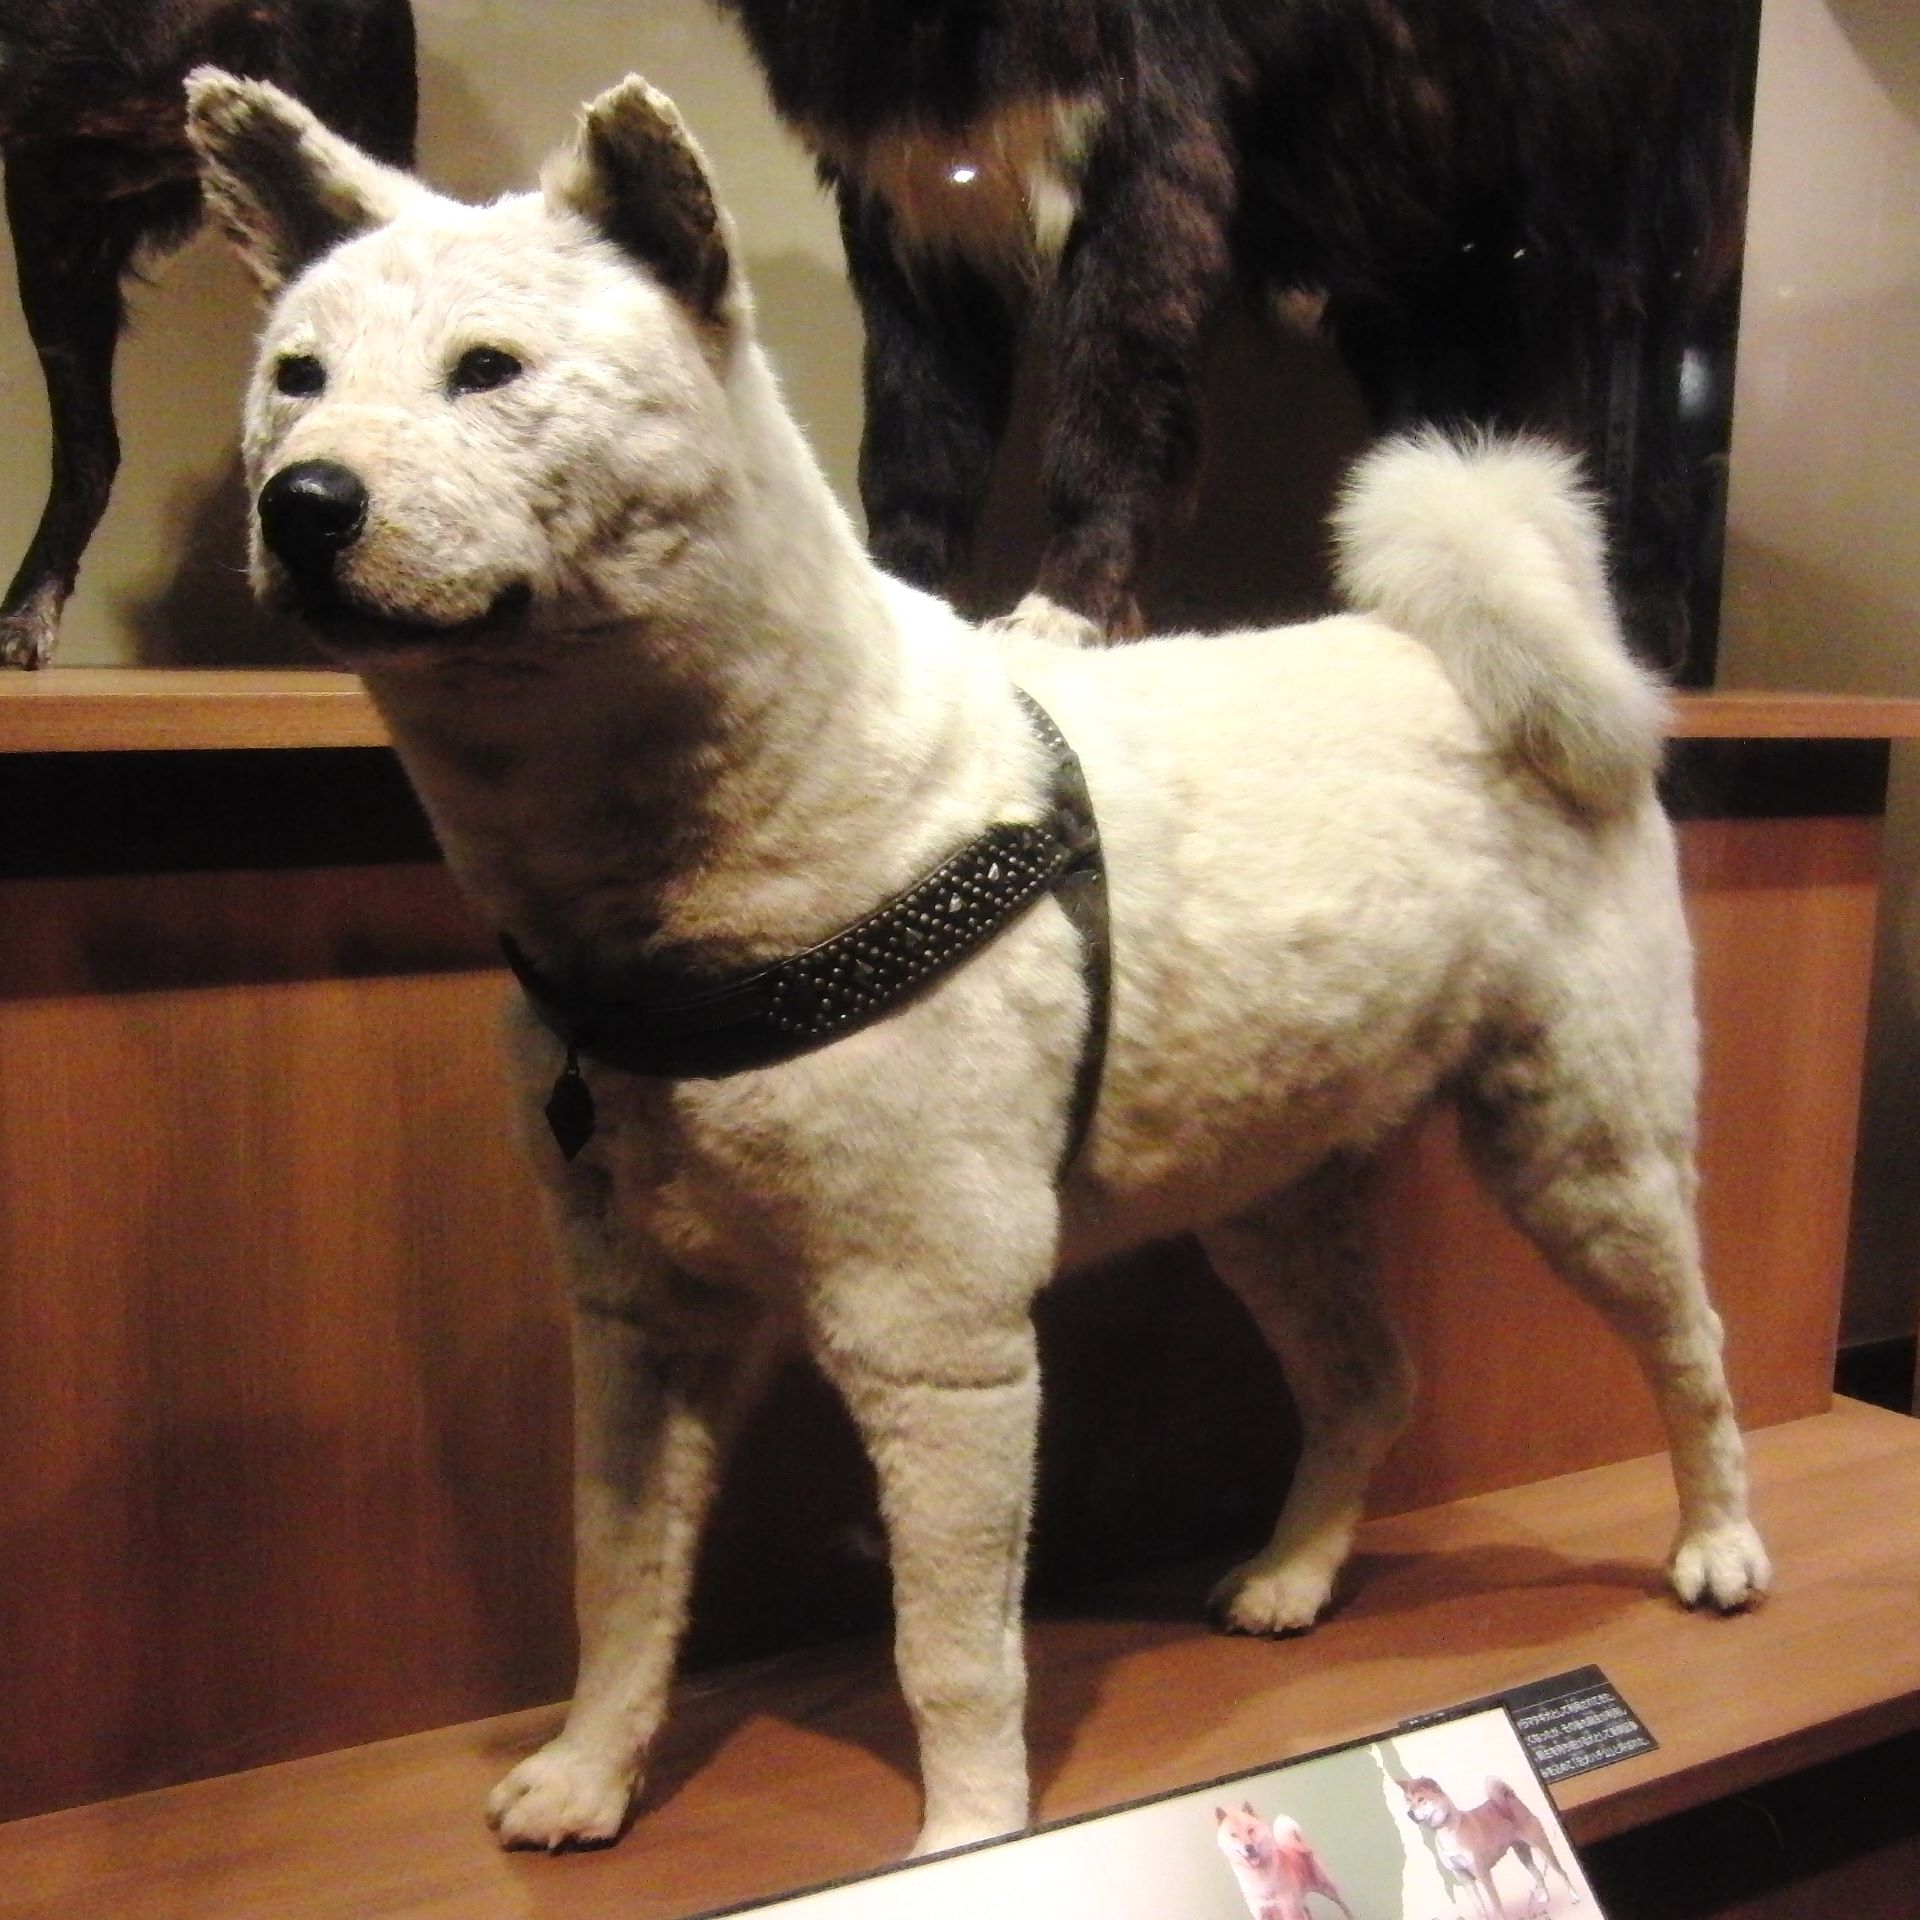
(1454, 540)
(1352, 862)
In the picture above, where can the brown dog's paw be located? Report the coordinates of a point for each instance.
(28, 634)
(560, 1797)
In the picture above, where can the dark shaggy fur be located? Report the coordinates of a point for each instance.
(92, 132)
(1520, 212)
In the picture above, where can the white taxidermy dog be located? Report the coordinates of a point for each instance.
(528, 469)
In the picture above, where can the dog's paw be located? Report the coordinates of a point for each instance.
(560, 1797)
(940, 1836)
(1725, 1567)
(1038, 618)
(28, 634)
(1256, 1598)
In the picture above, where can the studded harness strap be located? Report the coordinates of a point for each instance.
(682, 1026)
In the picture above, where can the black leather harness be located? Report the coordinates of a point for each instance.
(681, 1025)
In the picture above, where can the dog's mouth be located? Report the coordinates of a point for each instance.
(343, 623)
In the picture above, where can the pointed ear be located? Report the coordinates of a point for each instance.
(285, 188)
(635, 172)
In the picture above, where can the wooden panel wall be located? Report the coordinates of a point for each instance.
(283, 1461)
(285, 1404)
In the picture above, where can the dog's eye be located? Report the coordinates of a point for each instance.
(299, 373)
(480, 369)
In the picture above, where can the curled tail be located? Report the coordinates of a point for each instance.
(1491, 552)
(1500, 1795)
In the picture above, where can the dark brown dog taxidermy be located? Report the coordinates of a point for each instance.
(1519, 213)
(98, 173)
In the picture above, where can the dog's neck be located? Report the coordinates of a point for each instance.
(682, 781)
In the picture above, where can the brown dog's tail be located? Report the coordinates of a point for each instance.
(1500, 1795)
(1491, 552)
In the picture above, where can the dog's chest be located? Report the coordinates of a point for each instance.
(1003, 191)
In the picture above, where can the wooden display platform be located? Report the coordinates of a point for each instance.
(111, 709)
(800, 1770)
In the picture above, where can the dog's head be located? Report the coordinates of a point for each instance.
(472, 425)
(1427, 1805)
(1242, 1834)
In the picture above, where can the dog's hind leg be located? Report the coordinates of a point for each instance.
(1300, 1265)
(654, 1408)
(71, 253)
(1584, 1127)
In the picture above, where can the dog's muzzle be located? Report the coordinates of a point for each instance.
(310, 514)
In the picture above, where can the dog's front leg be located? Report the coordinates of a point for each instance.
(951, 1424)
(70, 255)
(938, 379)
(1140, 288)
(653, 1411)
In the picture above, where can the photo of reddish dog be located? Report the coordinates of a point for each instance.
(1275, 1864)
(1471, 1842)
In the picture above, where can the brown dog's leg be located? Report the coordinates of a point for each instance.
(71, 253)
(1141, 284)
(938, 383)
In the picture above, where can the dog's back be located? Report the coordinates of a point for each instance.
(1476, 730)
(1501, 1819)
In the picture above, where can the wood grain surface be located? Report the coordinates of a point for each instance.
(799, 1770)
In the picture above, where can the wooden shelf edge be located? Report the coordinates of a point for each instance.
(113, 709)
(148, 709)
(810, 1754)
(1756, 715)
(1612, 1813)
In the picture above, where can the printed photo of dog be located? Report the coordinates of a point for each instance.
(1274, 1863)
(99, 179)
(1522, 217)
(525, 468)
(1471, 1842)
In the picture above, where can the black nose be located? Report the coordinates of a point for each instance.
(309, 512)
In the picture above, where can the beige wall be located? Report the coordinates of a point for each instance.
(1823, 563)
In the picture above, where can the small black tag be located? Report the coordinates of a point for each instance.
(570, 1108)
